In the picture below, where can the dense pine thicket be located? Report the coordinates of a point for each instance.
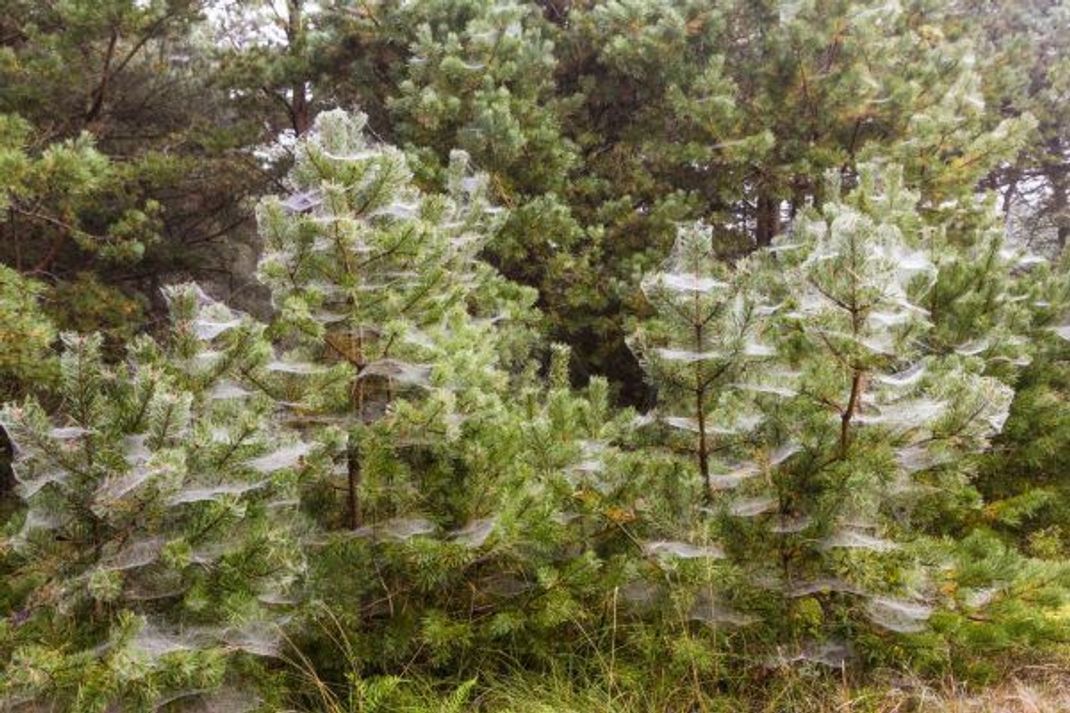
(698, 354)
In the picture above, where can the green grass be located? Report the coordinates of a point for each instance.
(1025, 688)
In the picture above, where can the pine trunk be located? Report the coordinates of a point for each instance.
(768, 218)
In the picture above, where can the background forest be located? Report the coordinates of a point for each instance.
(445, 355)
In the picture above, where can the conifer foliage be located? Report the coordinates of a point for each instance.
(157, 547)
(824, 413)
(831, 230)
(380, 292)
(704, 344)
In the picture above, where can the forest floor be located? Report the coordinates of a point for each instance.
(1028, 689)
(1033, 690)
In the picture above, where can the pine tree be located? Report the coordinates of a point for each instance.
(858, 401)
(379, 289)
(127, 161)
(48, 197)
(436, 76)
(858, 290)
(707, 337)
(157, 545)
(479, 79)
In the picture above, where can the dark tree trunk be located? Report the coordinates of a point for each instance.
(768, 218)
(353, 471)
(1060, 205)
(295, 33)
(300, 108)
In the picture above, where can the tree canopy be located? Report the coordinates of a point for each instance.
(390, 355)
